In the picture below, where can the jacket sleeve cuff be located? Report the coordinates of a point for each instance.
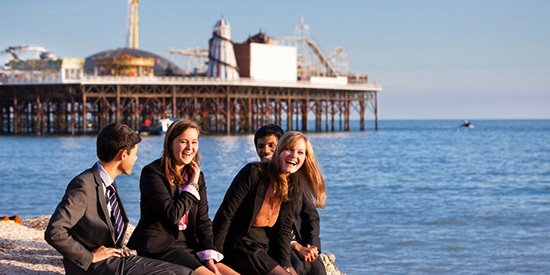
(85, 261)
(209, 254)
(190, 189)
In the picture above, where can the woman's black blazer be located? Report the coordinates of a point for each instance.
(162, 206)
(241, 205)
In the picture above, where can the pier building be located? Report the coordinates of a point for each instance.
(79, 96)
(244, 86)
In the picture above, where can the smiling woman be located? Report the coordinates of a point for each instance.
(174, 224)
(253, 224)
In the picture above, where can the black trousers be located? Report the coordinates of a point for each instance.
(129, 265)
(178, 253)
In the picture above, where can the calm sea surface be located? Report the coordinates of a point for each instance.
(416, 197)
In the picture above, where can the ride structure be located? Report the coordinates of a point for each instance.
(14, 52)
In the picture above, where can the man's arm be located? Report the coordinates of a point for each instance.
(310, 224)
(67, 214)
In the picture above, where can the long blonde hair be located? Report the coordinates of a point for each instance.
(168, 158)
(310, 170)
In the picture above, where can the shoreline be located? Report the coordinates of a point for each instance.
(23, 249)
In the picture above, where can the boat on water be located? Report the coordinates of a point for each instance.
(467, 124)
(159, 128)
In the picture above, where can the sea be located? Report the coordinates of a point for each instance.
(414, 197)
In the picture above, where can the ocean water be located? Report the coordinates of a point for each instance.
(415, 197)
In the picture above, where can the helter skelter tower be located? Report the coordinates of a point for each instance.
(221, 55)
(133, 33)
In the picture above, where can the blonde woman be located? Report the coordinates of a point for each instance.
(253, 224)
(174, 224)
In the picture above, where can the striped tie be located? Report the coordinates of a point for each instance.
(116, 212)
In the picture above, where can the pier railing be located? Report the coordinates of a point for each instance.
(178, 80)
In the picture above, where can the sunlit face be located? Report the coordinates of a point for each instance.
(129, 160)
(185, 146)
(292, 158)
(266, 147)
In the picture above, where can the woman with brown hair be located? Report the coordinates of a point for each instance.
(253, 224)
(174, 224)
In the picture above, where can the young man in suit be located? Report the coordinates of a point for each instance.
(88, 225)
(305, 228)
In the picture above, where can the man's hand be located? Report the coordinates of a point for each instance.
(101, 253)
(309, 253)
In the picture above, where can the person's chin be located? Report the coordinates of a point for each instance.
(186, 161)
(288, 170)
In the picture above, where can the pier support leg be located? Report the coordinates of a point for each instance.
(250, 125)
(318, 115)
(84, 114)
(376, 111)
(118, 107)
(228, 114)
(73, 117)
(332, 114)
(289, 115)
(305, 111)
(174, 102)
(362, 113)
(326, 114)
(38, 114)
(347, 112)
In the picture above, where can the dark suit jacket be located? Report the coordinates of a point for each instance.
(81, 221)
(162, 206)
(306, 223)
(241, 205)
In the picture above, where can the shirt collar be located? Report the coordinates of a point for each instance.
(104, 175)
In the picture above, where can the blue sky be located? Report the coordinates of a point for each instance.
(468, 59)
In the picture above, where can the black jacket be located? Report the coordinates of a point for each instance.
(239, 209)
(306, 222)
(162, 206)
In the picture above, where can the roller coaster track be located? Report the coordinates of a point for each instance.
(310, 42)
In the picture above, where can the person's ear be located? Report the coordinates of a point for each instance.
(122, 154)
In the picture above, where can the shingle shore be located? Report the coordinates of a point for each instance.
(23, 249)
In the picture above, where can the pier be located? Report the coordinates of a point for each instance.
(244, 86)
(58, 107)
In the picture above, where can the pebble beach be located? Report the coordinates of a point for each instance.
(24, 251)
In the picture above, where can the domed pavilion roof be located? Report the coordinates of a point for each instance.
(162, 66)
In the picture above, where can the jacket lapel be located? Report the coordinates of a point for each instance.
(259, 199)
(123, 212)
(102, 201)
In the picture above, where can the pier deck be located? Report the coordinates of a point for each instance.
(52, 106)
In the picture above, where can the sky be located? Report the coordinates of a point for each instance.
(435, 59)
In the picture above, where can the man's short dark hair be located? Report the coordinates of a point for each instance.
(268, 130)
(112, 138)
